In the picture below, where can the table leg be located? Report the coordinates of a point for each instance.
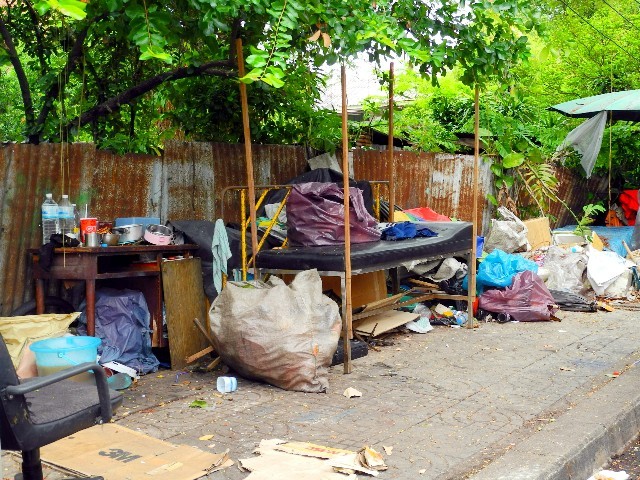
(346, 327)
(39, 296)
(90, 298)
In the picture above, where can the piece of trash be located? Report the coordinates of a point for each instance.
(227, 384)
(565, 369)
(387, 450)
(610, 475)
(311, 450)
(119, 381)
(423, 471)
(371, 459)
(206, 437)
(351, 462)
(352, 392)
(198, 404)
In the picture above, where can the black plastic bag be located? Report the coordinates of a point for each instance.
(315, 216)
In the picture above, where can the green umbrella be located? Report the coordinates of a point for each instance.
(621, 105)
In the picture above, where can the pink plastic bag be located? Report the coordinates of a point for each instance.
(315, 215)
(526, 300)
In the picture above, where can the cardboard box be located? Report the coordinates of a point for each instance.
(539, 232)
(365, 288)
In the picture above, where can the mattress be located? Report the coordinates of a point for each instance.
(453, 238)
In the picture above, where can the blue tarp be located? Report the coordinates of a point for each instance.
(612, 236)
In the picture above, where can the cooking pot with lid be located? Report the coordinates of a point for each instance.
(129, 233)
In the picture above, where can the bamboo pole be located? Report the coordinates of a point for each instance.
(248, 157)
(474, 230)
(391, 164)
(347, 327)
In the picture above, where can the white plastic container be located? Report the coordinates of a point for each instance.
(227, 384)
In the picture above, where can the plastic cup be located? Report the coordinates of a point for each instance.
(227, 384)
(87, 225)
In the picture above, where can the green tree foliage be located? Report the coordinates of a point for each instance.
(100, 69)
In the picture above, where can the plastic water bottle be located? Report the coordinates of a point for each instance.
(49, 218)
(65, 216)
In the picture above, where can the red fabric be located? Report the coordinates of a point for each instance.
(629, 202)
(427, 214)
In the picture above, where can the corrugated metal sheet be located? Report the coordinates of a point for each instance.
(187, 183)
(442, 182)
(183, 184)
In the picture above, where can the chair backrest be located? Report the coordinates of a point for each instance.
(14, 415)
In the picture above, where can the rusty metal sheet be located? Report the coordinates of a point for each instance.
(442, 182)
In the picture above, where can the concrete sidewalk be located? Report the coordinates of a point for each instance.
(505, 401)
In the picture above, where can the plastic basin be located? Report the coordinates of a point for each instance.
(55, 354)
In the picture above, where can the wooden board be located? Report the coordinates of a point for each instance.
(383, 322)
(184, 300)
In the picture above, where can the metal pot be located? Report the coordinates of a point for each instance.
(158, 235)
(129, 233)
(110, 239)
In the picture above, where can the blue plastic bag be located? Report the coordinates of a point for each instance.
(498, 269)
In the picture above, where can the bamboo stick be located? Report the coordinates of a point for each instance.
(248, 157)
(347, 326)
(391, 164)
(474, 230)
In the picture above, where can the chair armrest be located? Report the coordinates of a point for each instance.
(40, 382)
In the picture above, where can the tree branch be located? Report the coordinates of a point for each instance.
(63, 78)
(38, 33)
(25, 89)
(218, 68)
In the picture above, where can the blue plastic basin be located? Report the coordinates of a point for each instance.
(54, 354)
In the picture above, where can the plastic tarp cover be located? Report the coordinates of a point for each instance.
(526, 300)
(284, 335)
(586, 139)
(315, 216)
(122, 323)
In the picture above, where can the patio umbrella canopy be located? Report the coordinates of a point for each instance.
(623, 105)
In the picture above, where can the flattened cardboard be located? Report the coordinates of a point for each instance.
(118, 453)
(383, 322)
(538, 232)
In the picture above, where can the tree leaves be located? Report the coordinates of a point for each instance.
(71, 8)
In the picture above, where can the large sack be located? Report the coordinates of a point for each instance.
(315, 215)
(285, 335)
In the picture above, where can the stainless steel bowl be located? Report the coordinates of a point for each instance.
(110, 239)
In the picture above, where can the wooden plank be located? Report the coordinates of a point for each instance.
(184, 300)
(200, 354)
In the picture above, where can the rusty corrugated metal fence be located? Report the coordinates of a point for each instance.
(186, 182)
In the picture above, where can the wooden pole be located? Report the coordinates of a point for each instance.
(347, 327)
(248, 157)
(474, 234)
(391, 165)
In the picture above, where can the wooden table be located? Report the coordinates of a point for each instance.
(131, 266)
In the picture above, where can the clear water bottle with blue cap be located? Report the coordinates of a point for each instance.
(49, 218)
